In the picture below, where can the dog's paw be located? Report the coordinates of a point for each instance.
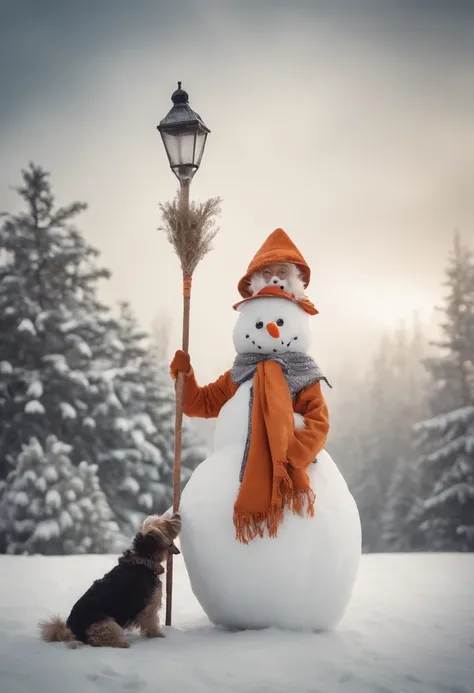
(123, 644)
(155, 633)
(176, 521)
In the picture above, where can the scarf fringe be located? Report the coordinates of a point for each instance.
(250, 525)
(299, 501)
(282, 485)
(302, 503)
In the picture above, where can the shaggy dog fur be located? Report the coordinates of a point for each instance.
(128, 596)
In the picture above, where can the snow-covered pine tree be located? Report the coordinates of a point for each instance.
(345, 432)
(446, 441)
(99, 530)
(371, 433)
(61, 356)
(194, 450)
(160, 336)
(451, 370)
(161, 402)
(374, 474)
(50, 322)
(129, 460)
(54, 507)
(398, 532)
(412, 403)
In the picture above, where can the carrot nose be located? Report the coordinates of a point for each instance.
(273, 330)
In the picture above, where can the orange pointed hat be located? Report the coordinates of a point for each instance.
(277, 248)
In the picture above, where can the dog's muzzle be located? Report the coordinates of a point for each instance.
(173, 548)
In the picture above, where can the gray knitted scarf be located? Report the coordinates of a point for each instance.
(300, 370)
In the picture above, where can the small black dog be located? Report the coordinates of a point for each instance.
(128, 596)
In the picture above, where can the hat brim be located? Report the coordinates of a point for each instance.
(273, 292)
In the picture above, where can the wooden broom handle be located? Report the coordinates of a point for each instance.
(178, 431)
(180, 397)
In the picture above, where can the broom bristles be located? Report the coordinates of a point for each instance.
(190, 231)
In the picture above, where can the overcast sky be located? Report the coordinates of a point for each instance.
(349, 124)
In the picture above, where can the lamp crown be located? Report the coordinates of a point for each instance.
(180, 97)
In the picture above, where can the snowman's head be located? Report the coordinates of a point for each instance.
(270, 325)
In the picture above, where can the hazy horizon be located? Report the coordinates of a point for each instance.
(348, 125)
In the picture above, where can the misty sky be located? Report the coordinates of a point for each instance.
(349, 124)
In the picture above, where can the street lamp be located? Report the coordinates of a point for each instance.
(184, 137)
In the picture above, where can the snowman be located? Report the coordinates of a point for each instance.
(271, 534)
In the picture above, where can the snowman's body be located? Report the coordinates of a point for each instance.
(301, 579)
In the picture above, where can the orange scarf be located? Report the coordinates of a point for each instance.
(270, 484)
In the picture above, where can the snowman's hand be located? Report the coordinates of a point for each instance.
(306, 443)
(180, 364)
(202, 402)
(299, 420)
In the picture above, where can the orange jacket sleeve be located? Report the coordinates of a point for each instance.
(206, 402)
(307, 442)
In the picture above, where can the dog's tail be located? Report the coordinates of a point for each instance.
(56, 630)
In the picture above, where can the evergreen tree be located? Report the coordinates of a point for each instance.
(452, 369)
(160, 338)
(70, 369)
(162, 406)
(445, 517)
(67, 366)
(51, 506)
(371, 434)
(398, 531)
(130, 460)
(51, 322)
(194, 451)
(412, 402)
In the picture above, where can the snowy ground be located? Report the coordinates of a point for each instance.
(409, 627)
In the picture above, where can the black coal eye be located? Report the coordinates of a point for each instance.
(280, 322)
(259, 325)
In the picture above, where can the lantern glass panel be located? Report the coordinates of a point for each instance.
(201, 137)
(180, 147)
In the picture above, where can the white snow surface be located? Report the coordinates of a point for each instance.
(34, 407)
(35, 389)
(53, 499)
(67, 411)
(408, 629)
(26, 326)
(84, 349)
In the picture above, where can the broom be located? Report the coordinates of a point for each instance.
(190, 228)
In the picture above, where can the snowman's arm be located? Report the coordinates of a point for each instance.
(307, 442)
(206, 402)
